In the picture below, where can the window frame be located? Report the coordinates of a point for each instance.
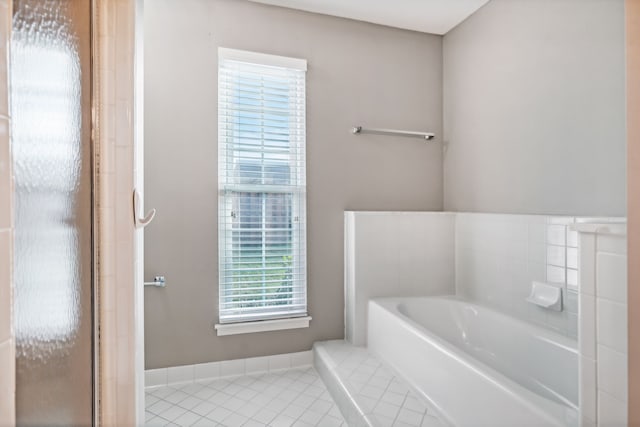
(269, 319)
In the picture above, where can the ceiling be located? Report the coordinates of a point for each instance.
(429, 16)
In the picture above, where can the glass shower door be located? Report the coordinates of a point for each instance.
(51, 130)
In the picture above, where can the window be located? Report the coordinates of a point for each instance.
(262, 186)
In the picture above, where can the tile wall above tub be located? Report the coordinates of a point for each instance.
(499, 256)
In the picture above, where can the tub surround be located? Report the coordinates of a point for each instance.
(492, 259)
(498, 257)
(603, 324)
(495, 260)
(391, 254)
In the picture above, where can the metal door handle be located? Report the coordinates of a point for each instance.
(144, 221)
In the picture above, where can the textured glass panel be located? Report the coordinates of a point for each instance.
(50, 107)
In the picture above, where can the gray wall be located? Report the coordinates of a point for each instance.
(358, 74)
(535, 108)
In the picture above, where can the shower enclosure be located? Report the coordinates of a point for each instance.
(50, 80)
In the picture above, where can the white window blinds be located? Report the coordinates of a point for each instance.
(262, 186)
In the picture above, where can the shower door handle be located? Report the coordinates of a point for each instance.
(144, 221)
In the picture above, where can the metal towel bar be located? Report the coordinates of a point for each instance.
(426, 135)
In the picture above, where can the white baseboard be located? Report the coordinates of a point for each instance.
(226, 368)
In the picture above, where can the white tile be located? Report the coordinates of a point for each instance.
(190, 388)
(537, 252)
(572, 326)
(556, 255)
(187, 419)
(587, 325)
(612, 244)
(386, 410)
(251, 408)
(265, 415)
(219, 414)
(303, 401)
(205, 393)
(372, 392)
(162, 392)
(176, 397)
(557, 320)
(556, 274)
(556, 235)
(150, 399)
(173, 412)
(159, 407)
(303, 358)
(279, 362)
(235, 420)
(205, 422)
(612, 324)
(255, 365)
(612, 412)
(311, 417)
(321, 406)
(587, 391)
(429, 421)
(571, 301)
(254, 423)
(190, 402)
(537, 232)
(564, 220)
(293, 411)
(180, 374)
(572, 279)
(229, 368)
(156, 422)
(235, 401)
(329, 421)
(415, 404)
(587, 262)
(203, 371)
(381, 420)
(572, 258)
(155, 377)
(393, 398)
(612, 372)
(611, 277)
(410, 417)
(234, 404)
(204, 408)
(283, 421)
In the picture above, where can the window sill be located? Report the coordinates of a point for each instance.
(223, 329)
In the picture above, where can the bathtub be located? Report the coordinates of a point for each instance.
(476, 366)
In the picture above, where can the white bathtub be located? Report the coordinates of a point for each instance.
(476, 366)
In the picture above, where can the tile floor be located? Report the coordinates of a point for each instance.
(384, 398)
(295, 397)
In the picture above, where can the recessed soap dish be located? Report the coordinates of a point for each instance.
(546, 296)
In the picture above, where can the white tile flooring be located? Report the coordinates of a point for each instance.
(295, 397)
(385, 399)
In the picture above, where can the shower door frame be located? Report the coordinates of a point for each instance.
(118, 165)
